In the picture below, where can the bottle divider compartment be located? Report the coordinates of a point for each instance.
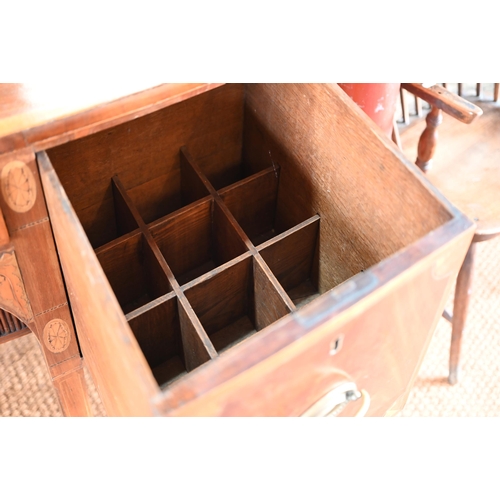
(167, 194)
(293, 259)
(125, 221)
(158, 331)
(236, 302)
(133, 271)
(171, 343)
(253, 204)
(110, 220)
(220, 176)
(197, 240)
(208, 275)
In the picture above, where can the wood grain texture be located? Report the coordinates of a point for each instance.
(73, 393)
(146, 152)
(44, 116)
(156, 327)
(228, 244)
(39, 278)
(197, 347)
(332, 164)
(225, 297)
(252, 202)
(13, 296)
(293, 355)
(292, 255)
(185, 240)
(4, 233)
(447, 101)
(125, 220)
(196, 240)
(131, 272)
(428, 140)
(193, 185)
(124, 381)
(270, 304)
(343, 188)
(463, 291)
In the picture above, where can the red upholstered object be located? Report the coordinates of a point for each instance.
(377, 100)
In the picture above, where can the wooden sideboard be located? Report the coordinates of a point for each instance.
(208, 249)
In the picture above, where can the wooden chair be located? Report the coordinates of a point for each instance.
(467, 172)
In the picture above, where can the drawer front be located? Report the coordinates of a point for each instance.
(377, 341)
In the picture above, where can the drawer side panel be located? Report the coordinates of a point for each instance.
(110, 349)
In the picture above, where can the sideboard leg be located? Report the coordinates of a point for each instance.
(72, 389)
(460, 307)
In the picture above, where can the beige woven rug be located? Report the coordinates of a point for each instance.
(478, 391)
(26, 389)
(25, 386)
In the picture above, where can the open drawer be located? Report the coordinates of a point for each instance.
(249, 251)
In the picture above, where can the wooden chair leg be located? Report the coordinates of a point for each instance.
(404, 108)
(428, 139)
(460, 307)
(496, 92)
(395, 135)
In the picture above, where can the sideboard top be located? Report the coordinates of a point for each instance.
(32, 113)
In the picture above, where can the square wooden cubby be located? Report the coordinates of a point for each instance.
(133, 271)
(157, 328)
(293, 258)
(196, 240)
(236, 302)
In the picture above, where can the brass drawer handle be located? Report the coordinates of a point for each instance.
(342, 394)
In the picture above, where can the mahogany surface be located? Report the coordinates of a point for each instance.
(30, 114)
(216, 243)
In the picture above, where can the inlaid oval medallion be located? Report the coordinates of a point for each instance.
(56, 335)
(18, 186)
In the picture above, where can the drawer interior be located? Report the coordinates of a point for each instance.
(217, 216)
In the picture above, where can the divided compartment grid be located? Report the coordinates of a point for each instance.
(209, 274)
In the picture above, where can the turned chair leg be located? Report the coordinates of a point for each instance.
(460, 307)
(428, 139)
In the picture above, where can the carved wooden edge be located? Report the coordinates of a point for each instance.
(13, 296)
(452, 104)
